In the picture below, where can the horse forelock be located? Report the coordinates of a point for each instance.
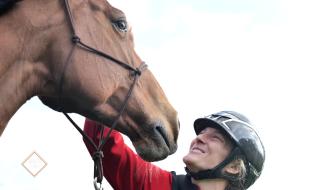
(6, 5)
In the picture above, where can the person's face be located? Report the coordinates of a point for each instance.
(207, 150)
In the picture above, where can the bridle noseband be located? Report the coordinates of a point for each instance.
(136, 73)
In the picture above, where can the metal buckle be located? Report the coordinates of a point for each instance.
(98, 186)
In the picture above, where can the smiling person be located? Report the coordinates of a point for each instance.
(227, 154)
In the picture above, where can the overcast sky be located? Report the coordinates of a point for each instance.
(261, 58)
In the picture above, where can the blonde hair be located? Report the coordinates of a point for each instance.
(236, 181)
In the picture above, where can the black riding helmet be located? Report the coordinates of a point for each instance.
(247, 144)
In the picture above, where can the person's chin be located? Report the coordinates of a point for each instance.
(189, 163)
(190, 159)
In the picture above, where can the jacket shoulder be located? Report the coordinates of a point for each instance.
(182, 182)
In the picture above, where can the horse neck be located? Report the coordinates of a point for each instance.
(22, 74)
(21, 81)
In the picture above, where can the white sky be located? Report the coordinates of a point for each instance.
(261, 58)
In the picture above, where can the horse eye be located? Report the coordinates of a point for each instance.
(121, 25)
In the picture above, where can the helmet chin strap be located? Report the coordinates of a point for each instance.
(216, 172)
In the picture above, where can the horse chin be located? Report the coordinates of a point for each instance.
(154, 149)
(152, 153)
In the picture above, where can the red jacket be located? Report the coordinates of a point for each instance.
(124, 169)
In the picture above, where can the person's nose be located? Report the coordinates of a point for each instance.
(201, 138)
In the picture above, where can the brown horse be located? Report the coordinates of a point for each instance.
(38, 58)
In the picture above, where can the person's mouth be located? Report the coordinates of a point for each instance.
(197, 150)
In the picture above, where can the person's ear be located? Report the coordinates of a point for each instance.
(233, 167)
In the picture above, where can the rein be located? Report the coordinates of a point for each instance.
(136, 73)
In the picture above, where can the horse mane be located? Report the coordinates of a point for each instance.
(6, 5)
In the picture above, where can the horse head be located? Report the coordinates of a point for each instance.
(41, 38)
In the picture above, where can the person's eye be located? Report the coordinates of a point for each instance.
(121, 25)
(217, 138)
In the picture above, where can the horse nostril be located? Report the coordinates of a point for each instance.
(162, 132)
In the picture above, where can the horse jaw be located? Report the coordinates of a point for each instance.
(154, 148)
(153, 132)
(152, 139)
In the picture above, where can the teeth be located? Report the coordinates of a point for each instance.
(197, 150)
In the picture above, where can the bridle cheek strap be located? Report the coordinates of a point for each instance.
(135, 72)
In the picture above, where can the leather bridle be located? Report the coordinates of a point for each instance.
(136, 72)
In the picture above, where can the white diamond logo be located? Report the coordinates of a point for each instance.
(34, 163)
